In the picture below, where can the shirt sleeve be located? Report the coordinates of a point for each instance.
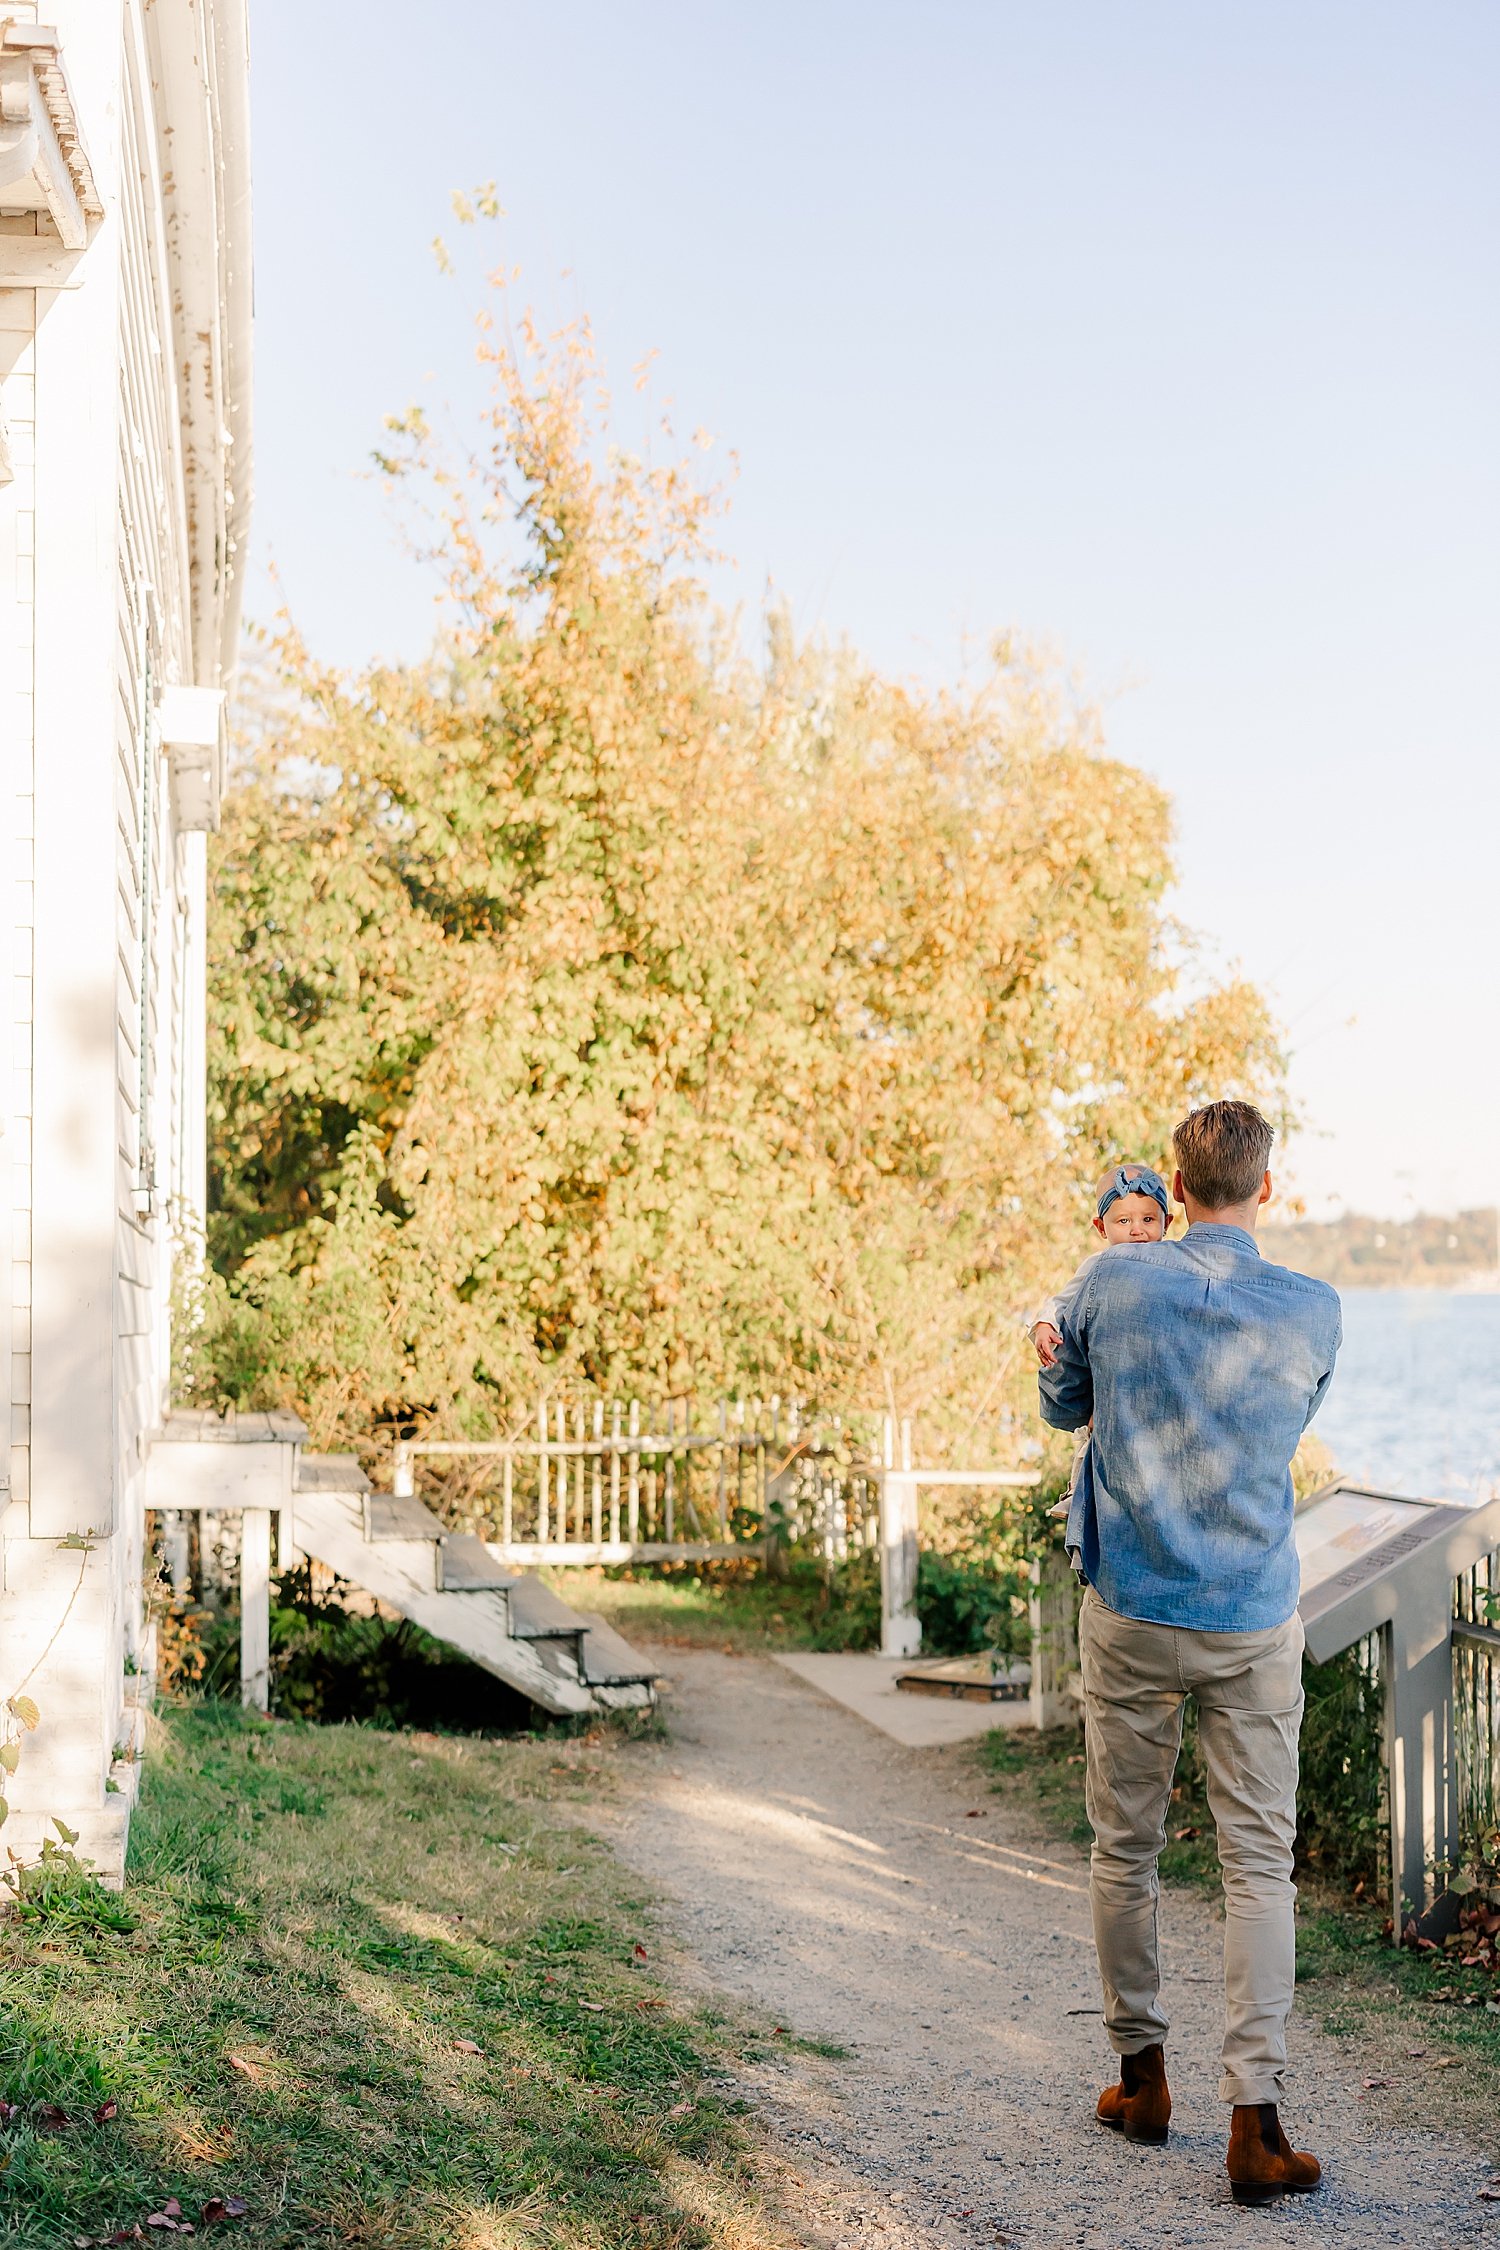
(1327, 1375)
(1067, 1387)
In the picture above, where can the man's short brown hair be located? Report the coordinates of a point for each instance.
(1221, 1152)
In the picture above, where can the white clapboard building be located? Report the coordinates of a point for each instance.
(124, 492)
(124, 488)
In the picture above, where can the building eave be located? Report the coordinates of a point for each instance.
(44, 165)
(200, 60)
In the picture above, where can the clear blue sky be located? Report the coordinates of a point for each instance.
(1167, 333)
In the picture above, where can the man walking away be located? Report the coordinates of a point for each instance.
(1200, 1365)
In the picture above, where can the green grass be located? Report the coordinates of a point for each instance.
(735, 1607)
(316, 1918)
(1433, 2026)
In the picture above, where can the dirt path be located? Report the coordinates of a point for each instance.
(831, 1878)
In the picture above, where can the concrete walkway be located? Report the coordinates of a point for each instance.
(840, 1883)
(866, 1685)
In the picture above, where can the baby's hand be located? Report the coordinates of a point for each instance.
(1046, 1339)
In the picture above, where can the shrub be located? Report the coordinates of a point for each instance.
(967, 1603)
(335, 1665)
(1341, 1797)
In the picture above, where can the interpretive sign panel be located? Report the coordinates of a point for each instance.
(1359, 1548)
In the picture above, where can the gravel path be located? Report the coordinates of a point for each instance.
(832, 1879)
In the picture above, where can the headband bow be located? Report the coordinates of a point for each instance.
(1128, 1182)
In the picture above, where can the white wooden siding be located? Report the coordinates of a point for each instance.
(153, 646)
(17, 733)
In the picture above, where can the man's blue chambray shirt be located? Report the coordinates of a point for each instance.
(1201, 1365)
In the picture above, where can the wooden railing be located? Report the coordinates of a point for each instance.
(625, 1481)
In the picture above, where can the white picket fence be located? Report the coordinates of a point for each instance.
(624, 1482)
(627, 1481)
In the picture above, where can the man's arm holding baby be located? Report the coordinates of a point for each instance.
(1066, 1381)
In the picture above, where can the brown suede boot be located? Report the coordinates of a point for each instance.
(1140, 2104)
(1262, 2162)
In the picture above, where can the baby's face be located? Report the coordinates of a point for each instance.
(1133, 1218)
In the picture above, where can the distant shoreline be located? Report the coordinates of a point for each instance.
(1483, 1283)
(1428, 1251)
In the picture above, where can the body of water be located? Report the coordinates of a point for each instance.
(1415, 1403)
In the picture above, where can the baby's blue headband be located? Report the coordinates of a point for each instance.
(1129, 1182)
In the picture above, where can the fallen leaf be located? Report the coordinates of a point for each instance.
(1185, 1835)
(651, 2003)
(107, 2112)
(680, 2109)
(467, 2047)
(8, 2110)
(51, 2119)
(1446, 2062)
(222, 2207)
(1415, 2054)
(976, 1814)
(1490, 2192)
(250, 2070)
(595, 2007)
(638, 1952)
(127, 2234)
(1372, 2083)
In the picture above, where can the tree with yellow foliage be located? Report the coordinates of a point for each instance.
(593, 1007)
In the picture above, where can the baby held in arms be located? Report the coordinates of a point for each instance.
(1132, 1207)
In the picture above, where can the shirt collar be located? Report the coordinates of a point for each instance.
(1211, 1230)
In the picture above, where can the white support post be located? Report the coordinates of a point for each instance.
(900, 1630)
(403, 1479)
(1054, 1640)
(255, 1609)
(1420, 1757)
(176, 1537)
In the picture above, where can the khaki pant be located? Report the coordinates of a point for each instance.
(1248, 1688)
